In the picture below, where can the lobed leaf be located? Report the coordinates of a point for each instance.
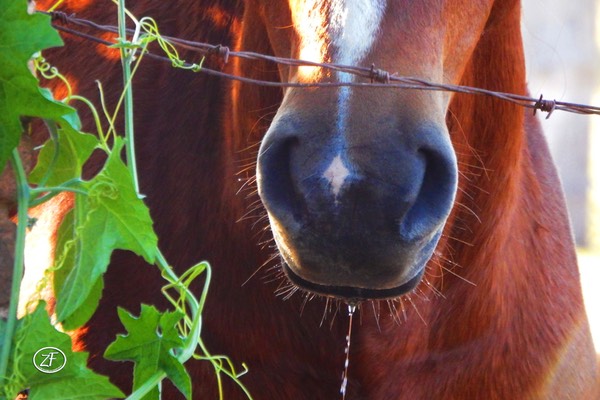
(150, 343)
(74, 381)
(72, 149)
(115, 218)
(22, 35)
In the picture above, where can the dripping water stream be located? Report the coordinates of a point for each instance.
(351, 310)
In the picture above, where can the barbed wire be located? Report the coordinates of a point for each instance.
(377, 78)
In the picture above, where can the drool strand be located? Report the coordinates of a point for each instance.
(351, 310)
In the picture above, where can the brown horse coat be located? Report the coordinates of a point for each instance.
(512, 326)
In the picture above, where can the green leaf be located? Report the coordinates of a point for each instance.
(113, 218)
(74, 381)
(71, 118)
(151, 340)
(88, 307)
(74, 148)
(115, 204)
(66, 251)
(22, 35)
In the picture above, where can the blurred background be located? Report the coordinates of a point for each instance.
(562, 46)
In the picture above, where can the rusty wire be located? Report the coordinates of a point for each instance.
(377, 78)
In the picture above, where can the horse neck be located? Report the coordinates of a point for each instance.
(508, 237)
(490, 143)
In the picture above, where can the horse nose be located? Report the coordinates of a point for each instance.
(356, 221)
(276, 185)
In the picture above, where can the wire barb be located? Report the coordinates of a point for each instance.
(544, 105)
(379, 75)
(220, 51)
(60, 16)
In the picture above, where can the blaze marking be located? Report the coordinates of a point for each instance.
(353, 27)
(336, 175)
(340, 31)
(310, 22)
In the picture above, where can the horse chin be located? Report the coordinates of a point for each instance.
(353, 294)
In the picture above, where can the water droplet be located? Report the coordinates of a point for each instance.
(351, 309)
(343, 388)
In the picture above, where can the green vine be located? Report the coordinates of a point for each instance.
(110, 199)
(18, 268)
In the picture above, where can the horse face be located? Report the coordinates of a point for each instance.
(358, 183)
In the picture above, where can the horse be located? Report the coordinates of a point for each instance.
(439, 215)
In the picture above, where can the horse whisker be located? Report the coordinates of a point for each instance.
(376, 312)
(416, 309)
(470, 210)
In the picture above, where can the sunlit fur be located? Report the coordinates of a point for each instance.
(499, 313)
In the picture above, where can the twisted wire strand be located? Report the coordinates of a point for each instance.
(377, 78)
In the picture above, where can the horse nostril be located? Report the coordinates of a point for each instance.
(274, 177)
(436, 195)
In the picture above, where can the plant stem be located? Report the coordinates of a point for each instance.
(23, 206)
(192, 339)
(147, 386)
(196, 326)
(126, 57)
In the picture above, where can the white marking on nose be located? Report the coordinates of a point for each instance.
(336, 174)
(353, 27)
(342, 32)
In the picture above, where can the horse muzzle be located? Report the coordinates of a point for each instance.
(356, 217)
